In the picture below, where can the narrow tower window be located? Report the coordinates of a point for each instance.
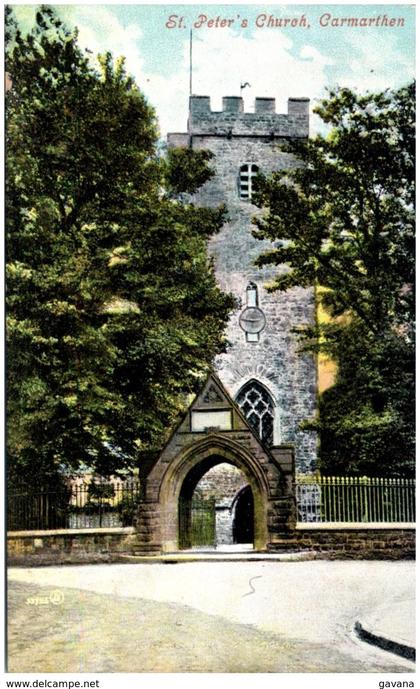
(246, 174)
(258, 408)
(252, 300)
(252, 294)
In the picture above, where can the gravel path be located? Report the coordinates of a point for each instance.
(159, 618)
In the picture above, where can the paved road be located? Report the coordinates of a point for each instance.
(202, 617)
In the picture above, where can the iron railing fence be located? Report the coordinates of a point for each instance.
(352, 499)
(74, 506)
(346, 499)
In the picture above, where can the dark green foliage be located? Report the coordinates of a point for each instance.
(101, 491)
(187, 169)
(345, 221)
(367, 418)
(113, 312)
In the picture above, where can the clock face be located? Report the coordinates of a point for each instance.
(252, 320)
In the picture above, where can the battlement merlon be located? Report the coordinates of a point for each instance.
(233, 121)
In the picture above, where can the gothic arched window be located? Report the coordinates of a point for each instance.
(258, 409)
(246, 174)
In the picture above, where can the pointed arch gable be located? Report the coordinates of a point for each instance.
(210, 451)
(189, 453)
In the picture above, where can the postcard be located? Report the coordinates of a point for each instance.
(210, 463)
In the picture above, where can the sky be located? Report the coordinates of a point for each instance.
(277, 61)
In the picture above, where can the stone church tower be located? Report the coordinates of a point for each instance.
(263, 371)
(246, 418)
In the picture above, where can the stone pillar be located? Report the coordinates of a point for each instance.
(148, 537)
(224, 524)
(283, 507)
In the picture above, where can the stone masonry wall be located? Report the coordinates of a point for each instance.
(236, 138)
(74, 547)
(354, 543)
(224, 525)
(68, 546)
(223, 482)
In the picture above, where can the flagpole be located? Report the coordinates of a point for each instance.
(190, 62)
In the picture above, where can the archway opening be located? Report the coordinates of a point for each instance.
(216, 507)
(242, 513)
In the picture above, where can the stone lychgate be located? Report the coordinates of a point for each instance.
(214, 431)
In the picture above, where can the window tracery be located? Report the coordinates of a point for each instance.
(257, 406)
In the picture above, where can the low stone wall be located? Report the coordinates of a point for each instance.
(76, 546)
(64, 546)
(351, 541)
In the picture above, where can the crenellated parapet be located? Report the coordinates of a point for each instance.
(233, 121)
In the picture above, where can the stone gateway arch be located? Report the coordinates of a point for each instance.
(214, 431)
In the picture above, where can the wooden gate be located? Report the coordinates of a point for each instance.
(197, 523)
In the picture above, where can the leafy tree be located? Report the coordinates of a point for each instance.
(113, 312)
(343, 220)
(366, 420)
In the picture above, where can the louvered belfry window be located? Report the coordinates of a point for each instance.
(246, 174)
(257, 407)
